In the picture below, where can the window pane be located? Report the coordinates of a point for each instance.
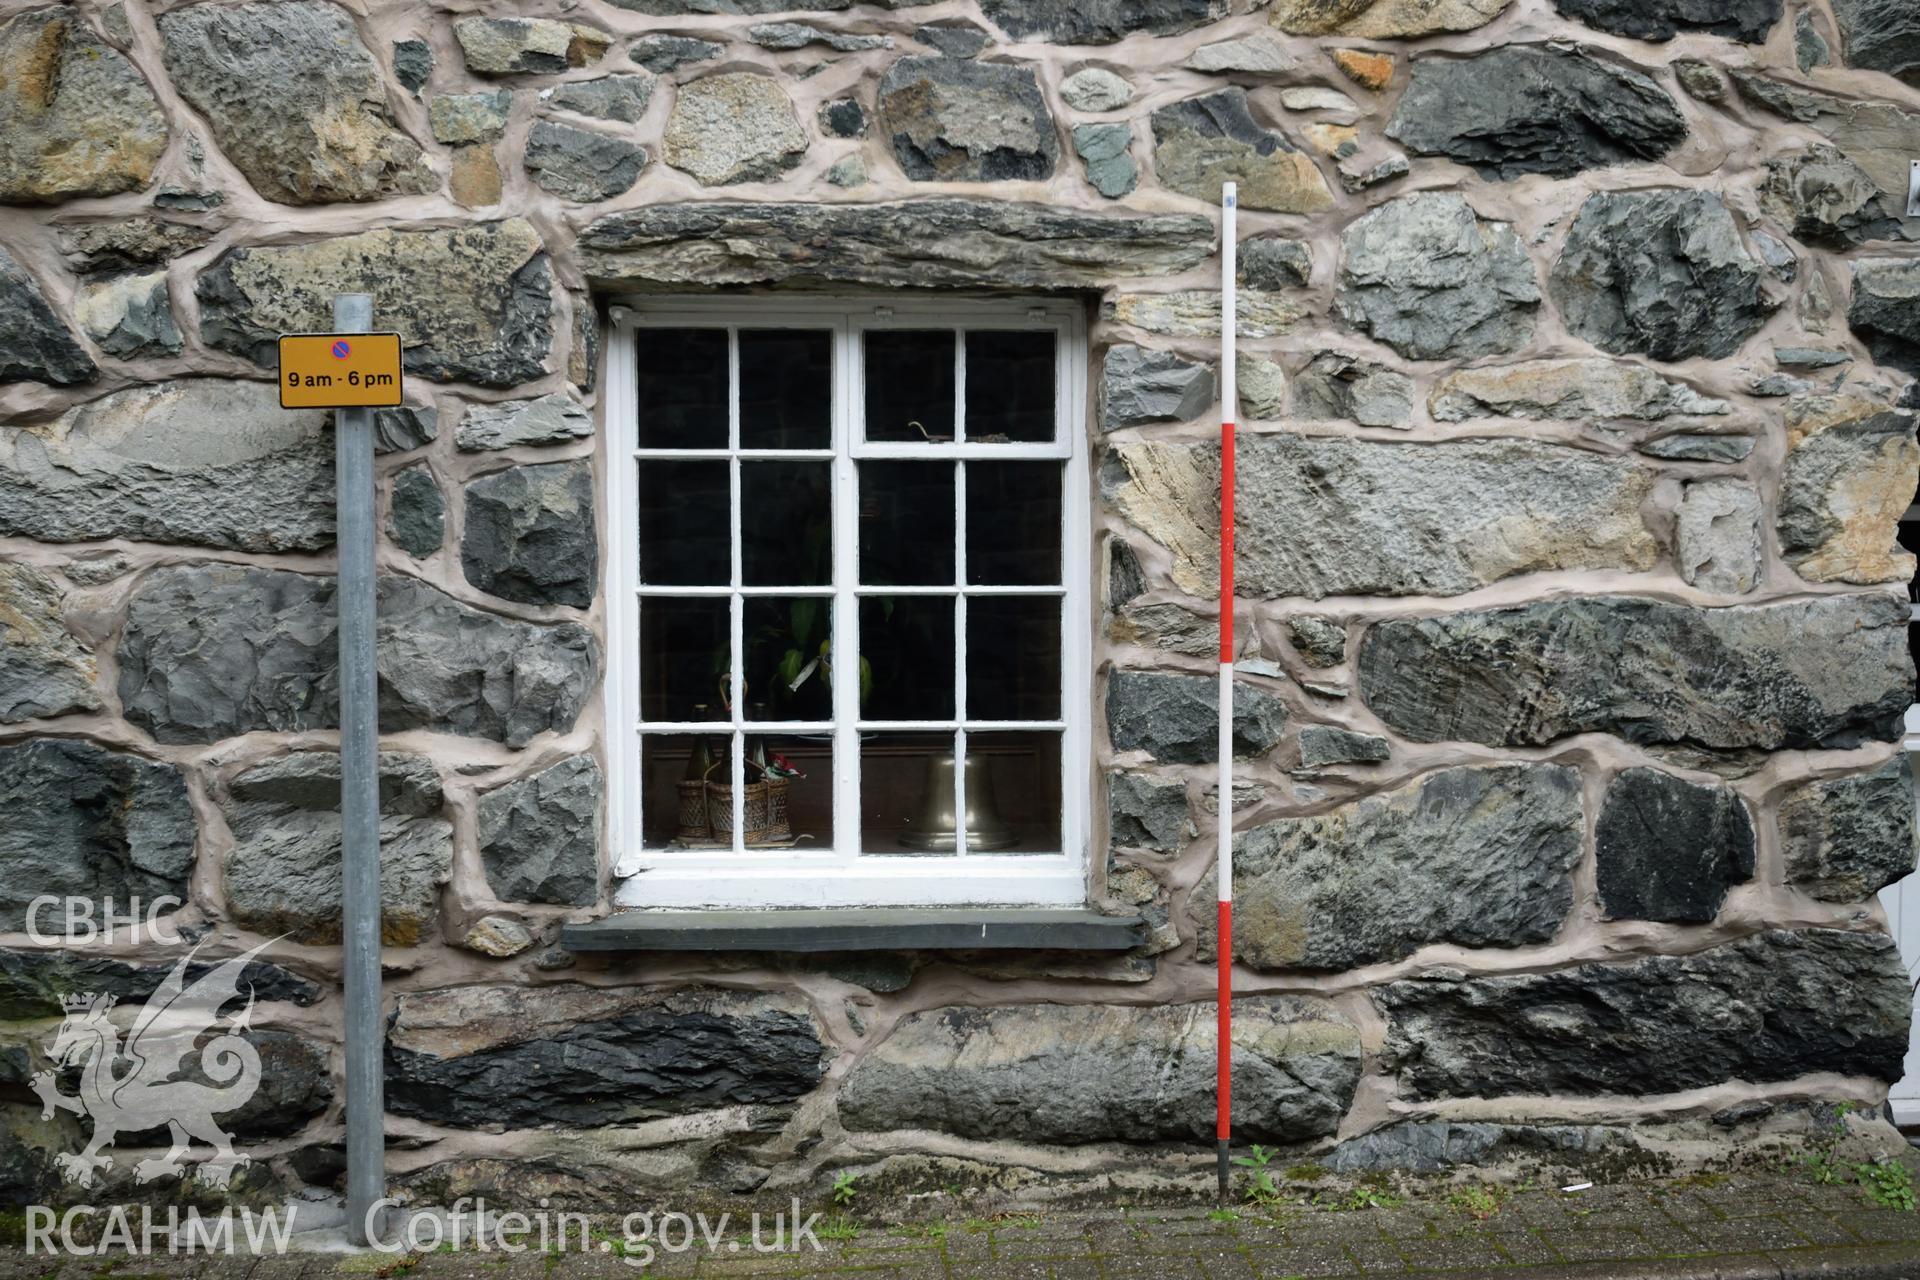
(789, 800)
(786, 524)
(907, 645)
(683, 388)
(909, 384)
(906, 793)
(1013, 658)
(786, 388)
(684, 539)
(683, 658)
(675, 775)
(906, 523)
(1013, 524)
(789, 657)
(1022, 773)
(1010, 385)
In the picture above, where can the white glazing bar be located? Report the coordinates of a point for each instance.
(721, 455)
(663, 728)
(960, 657)
(943, 590)
(737, 604)
(666, 591)
(846, 605)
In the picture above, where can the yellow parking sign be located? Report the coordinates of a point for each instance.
(339, 370)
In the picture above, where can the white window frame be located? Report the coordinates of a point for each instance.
(842, 876)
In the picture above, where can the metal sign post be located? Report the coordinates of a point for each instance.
(359, 788)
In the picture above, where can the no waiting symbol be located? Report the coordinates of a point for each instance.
(340, 350)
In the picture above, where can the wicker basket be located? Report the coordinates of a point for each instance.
(765, 812)
(695, 824)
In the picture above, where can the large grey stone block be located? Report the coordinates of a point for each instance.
(1829, 672)
(1770, 1007)
(1067, 1074)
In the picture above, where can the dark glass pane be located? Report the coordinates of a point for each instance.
(1013, 524)
(684, 539)
(786, 388)
(1013, 657)
(683, 658)
(1020, 810)
(789, 657)
(683, 388)
(906, 793)
(909, 384)
(677, 775)
(907, 645)
(906, 523)
(786, 524)
(1010, 385)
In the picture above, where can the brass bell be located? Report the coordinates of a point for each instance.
(934, 829)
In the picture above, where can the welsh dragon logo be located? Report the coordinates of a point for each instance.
(135, 1085)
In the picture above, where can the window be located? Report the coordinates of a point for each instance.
(849, 582)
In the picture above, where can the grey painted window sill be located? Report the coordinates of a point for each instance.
(859, 929)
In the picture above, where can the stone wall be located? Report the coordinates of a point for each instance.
(1578, 338)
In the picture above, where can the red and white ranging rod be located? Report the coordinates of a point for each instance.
(1223, 1043)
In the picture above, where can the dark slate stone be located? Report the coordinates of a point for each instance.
(529, 534)
(32, 982)
(34, 345)
(412, 64)
(1663, 273)
(1431, 1146)
(540, 836)
(1748, 21)
(1810, 48)
(664, 53)
(1827, 672)
(580, 164)
(932, 111)
(1527, 109)
(1146, 812)
(843, 118)
(405, 428)
(283, 875)
(1078, 1073)
(971, 243)
(294, 1089)
(1099, 21)
(1475, 857)
(1773, 1006)
(640, 1059)
(1274, 263)
(417, 521)
(1325, 744)
(1885, 311)
(953, 39)
(1668, 849)
(85, 822)
(623, 97)
(1139, 386)
(213, 651)
(1845, 839)
(1176, 718)
(1826, 199)
(1125, 581)
(1881, 35)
